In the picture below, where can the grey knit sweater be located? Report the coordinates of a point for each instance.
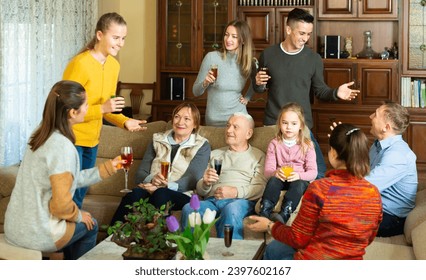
(222, 96)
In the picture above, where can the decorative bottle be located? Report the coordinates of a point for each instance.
(367, 52)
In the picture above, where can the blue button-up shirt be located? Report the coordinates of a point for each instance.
(394, 173)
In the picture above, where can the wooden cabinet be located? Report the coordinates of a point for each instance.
(361, 9)
(376, 79)
(268, 24)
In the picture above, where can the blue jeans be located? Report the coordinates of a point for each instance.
(81, 242)
(87, 157)
(322, 167)
(231, 211)
(277, 250)
(391, 225)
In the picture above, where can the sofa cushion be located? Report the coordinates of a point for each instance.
(384, 251)
(8, 179)
(414, 218)
(418, 236)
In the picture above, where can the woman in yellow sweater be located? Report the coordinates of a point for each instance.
(97, 70)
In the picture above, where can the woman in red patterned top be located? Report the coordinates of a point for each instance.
(339, 215)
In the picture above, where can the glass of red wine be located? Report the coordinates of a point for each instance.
(218, 165)
(127, 154)
(228, 230)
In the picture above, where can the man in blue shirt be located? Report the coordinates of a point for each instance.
(393, 167)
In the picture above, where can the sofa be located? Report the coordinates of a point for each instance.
(103, 198)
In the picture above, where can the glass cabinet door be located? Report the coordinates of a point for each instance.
(179, 34)
(414, 33)
(215, 18)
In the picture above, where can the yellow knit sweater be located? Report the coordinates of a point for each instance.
(100, 82)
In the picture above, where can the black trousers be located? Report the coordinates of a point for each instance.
(391, 225)
(158, 198)
(295, 191)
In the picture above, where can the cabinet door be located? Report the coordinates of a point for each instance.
(216, 15)
(378, 82)
(337, 9)
(177, 34)
(415, 135)
(413, 43)
(386, 9)
(336, 73)
(281, 15)
(262, 25)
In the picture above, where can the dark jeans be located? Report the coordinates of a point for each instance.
(391, 225)
(87, 157)
(322, 167)
(158, 198)
(295, 191)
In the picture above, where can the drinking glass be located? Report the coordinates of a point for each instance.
(266, 70)
(165, 167)
(218, 166)
(213, 68)
(228, 230)
(127, 154)
(287, 169)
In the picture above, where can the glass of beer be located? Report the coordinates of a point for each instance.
(228, 231)
(266, 70)
(165, 166)
(213, 68)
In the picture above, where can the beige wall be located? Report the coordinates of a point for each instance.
(138, 56)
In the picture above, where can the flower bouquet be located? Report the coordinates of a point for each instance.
(192, 241)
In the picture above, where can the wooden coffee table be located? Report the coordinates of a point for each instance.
(242, 249)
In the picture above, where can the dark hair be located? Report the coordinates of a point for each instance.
(64, 96)
(297, 15)
(398, 115)
(245, 45)
(194, 111)
(351, 146)
(103, 25)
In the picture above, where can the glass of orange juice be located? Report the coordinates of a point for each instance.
(287, 169)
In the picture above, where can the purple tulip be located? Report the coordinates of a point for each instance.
(172, 223)
(194, 202)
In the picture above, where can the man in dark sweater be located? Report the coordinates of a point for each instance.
(295, 70)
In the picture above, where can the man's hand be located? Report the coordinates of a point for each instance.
(226, 192)
(210, 177)
(346, 93)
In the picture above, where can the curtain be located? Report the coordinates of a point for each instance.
(37, 39)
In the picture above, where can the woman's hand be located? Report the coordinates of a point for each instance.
(150, 188)
(243, 100)
(87, 219)
(260, 224)
(117, 163)
(209, 79)
(159, 180)
(115, 104)
(135, 125)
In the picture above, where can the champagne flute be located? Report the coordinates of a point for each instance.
(127, 154)
(228, 230)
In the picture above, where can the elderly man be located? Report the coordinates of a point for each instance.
(234, 193)
(393, 167)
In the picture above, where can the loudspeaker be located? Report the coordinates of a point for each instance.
(177, 88)
(331, 46)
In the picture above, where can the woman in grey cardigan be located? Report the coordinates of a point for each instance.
(41, 214)
(234, 66)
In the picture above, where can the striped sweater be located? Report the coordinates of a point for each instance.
(338, 218)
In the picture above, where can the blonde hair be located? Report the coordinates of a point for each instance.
(245, 46)
(304, 137)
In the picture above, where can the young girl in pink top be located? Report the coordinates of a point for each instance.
(291, 147)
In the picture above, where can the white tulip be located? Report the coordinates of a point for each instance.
(209, 216)
(194, 219)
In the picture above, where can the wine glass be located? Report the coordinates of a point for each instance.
(127, 154)
(228, 230)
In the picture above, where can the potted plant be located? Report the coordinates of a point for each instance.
(144, 232)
